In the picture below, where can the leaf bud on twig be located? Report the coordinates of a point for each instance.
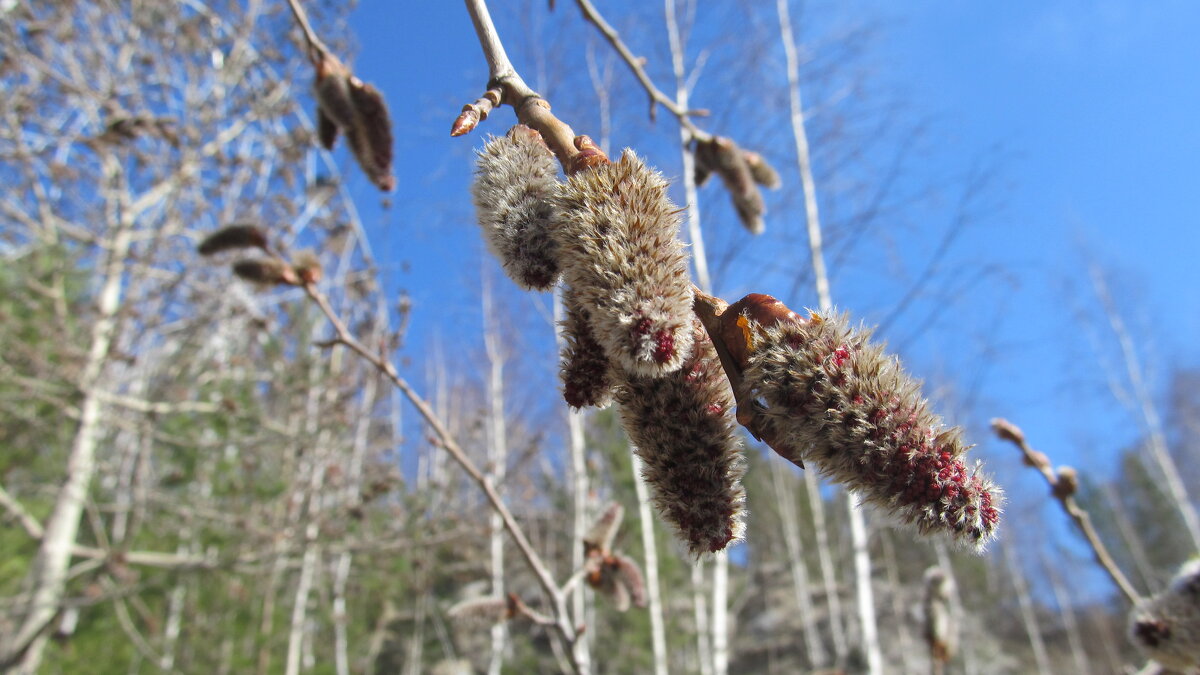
(619, 253)
(1067, 482)
(516, 179)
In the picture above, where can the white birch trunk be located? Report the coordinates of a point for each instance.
(799, 570)
(48, 575)
(658, 634)
(1028, 611)
(720, 614)
(700, 609)
(497, 458)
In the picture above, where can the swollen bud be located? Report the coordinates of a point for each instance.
(516, 178)
(619, 253)
(266, 272)
(835, 399)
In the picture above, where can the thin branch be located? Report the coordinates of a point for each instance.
(1062, 487)
(558, 599)
(316, 48)
(636, 64)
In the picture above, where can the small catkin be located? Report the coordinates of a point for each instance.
(722, 156)
(620, 255)
(266, 272)
(481, 612)
(584, 369)
(940, 626)
(840, 402)
(233, 237)
(1167, 626)
(357, 109)
(683, 429)
(516, 178)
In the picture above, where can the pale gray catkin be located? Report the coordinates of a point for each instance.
(619, 253)
(516, 178)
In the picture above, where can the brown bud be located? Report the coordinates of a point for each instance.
(327, 129)
(590, 155)
(1007, 431)
(604, 530)
(1036, 459)
(1067, 483)
(723, 157)
(742, 320)
(358, 110)
(231, 238)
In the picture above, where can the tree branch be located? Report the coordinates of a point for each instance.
(1062, 487)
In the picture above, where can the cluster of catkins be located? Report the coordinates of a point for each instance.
(819, 390)
(609, 232)
(1167, 626)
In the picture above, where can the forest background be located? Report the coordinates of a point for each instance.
(1008, 195)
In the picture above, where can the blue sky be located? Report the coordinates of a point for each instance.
(1082, 113)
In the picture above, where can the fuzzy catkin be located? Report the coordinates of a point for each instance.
(1167, 626)
(584, 369)
(516, 179)
(844, 405)
(619, 253)
(683, 429)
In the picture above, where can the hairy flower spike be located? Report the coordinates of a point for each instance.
(515, 183)
(231, 238)
(683, 428)
(1167, 626)
(357, 109)
(619, 253)
(585, 371)
(840, 402)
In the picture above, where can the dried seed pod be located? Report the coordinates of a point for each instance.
(600, 537)
(584, 369)
(723, 157)
(266, 272)
(940, 625)
(683, 429)
(764, 174)
(619, 253)
(840, 402)
(1167, 626)
(231, 238)
(516, 179)
(358, 110)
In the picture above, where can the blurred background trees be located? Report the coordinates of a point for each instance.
(193, 480)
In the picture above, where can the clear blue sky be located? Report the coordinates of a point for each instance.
(1084, 113)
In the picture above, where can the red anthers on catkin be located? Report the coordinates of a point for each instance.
(683, 428)
(1167, 626)
(516, 178)
(840, 402)
(618, 250)
(347, 104)
(584, 370)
